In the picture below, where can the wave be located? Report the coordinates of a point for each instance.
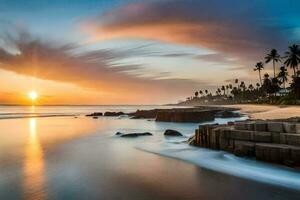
(227, 163)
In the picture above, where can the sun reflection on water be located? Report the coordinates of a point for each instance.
(34, 176)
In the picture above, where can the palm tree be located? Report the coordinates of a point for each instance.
(258, 67)
(200, 92)
(282, 76)
(258, 85)
(223, 88)
(206, 92)
(274, 57)
(251, 87)
(196, 94)
(293, 58)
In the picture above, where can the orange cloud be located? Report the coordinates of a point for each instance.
(234, 33)
(92, 71)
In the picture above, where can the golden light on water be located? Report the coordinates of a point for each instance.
(34, 174)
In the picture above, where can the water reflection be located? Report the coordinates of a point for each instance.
(34, 176)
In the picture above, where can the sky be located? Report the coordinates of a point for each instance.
(133, 51)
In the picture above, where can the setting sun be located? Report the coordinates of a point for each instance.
(33, 95)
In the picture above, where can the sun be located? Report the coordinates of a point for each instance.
(33, 95)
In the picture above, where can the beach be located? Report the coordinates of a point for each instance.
(267, 111)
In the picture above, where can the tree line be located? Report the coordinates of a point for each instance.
(274, 89)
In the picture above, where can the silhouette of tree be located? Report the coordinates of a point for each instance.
(282, 76)
(293, 58)
(258, 67)
(196, 94)
(274, 57)
(223, 88)
(295, 87)
(258, 85)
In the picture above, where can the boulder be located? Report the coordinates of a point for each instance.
(113, 114)
(170, 132)
(133, 134)
(275, 127)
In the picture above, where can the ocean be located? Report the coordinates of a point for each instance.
(55, 152)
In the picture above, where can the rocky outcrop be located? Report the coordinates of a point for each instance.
(185, 116)
(170, 132)
(95, 114)
(227, 114)
(113, 114)
(270, 141)
(130, 135)
(144, 114)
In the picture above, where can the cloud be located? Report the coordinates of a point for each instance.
(94, 69)
(243, 30)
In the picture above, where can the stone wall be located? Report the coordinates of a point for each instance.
(277, 142)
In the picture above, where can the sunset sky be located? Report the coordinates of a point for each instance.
(134, 51)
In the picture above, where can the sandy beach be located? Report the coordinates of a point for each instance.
(267, 111)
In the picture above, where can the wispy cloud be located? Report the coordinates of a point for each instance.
(243, 30)
(95, 69)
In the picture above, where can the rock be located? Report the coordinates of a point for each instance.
(262, 137)
(230, 123)
(260, 126)
(289, 127)
(95, 114)
(170, 132)
(295, 156)
(275, 127)
(298, 128)
(144, 114)
(240, 125)
(185, 115)
(242, 135)
(227, 114)
(242, 148)
(113, 114)
(276, 137)
(133, 134)
(276, 153)
(292, 139)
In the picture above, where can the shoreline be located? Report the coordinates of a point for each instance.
(265, 112)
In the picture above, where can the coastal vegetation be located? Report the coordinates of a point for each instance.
(281, 88)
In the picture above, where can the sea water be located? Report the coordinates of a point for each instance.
(68, 157)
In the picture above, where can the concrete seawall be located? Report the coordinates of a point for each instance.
(276, 142)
